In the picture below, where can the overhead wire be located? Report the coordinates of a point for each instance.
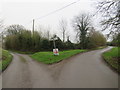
(57, 10)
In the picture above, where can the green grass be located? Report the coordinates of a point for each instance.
(6, 59)
(112, 57)
(49, 58)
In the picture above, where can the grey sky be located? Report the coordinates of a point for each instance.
(23, 11)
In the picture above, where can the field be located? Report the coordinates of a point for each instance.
(6, 59)
(49, 58)
(112, 57)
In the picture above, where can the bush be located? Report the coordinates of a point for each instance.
(95, 39)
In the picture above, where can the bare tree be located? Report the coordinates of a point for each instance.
(1, 32)
(110, 10)
(14, 29)
(1, 23)
(63, 28)
(81, 24)
(48, 33)
(45, 31)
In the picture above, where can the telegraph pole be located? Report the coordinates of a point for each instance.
(33, 33)
(33, 26)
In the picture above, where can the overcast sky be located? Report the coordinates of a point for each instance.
(23, 11)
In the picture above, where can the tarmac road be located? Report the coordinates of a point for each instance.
(86, 70)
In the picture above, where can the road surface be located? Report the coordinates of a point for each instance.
(86, 70)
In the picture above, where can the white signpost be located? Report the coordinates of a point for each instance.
(55, 51)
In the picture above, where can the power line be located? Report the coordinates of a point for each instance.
(53, 12)
(58, 10)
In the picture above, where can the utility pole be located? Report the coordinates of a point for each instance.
(33, 26)
(33, 33)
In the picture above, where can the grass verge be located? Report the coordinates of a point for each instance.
(97, 48)
(112, 58)
(49, 58)
(6, 59)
